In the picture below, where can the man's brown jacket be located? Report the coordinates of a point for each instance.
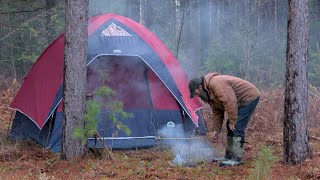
(227, 94)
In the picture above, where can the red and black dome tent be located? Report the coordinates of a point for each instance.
(146, 76)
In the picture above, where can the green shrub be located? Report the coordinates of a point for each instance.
(115, 110)
(263, 164)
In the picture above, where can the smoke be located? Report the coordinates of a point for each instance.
(188, 150)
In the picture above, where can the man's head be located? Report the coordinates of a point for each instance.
(196, 88)
(194, 85)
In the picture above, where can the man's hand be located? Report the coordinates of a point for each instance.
(213, 135)
(232, 128)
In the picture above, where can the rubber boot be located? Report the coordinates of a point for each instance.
(227, 155)
(235, 147)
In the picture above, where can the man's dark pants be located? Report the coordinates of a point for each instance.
(244, 114)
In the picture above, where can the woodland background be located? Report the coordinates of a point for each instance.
(244, 38)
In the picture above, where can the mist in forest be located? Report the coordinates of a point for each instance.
(187, 150)
(241, 38)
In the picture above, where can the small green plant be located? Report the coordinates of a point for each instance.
(221, 171)
(66, 171)
(263, 164)
(92, 165)
(125, 157)
(115, 110)
(90, 118)
(49, 162)
(104, 91)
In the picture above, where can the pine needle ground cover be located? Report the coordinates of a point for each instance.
(263, 153)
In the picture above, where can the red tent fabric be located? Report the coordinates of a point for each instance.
(40, 86)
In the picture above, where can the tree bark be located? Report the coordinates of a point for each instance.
(74, 83)
(148, 14)
(142, 13)
(195, 30)
(295, 134)
(50, 31)
(134, 10)
(318, 34)
(180, 14)
(204, 28)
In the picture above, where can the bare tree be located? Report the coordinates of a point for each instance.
(204, 28)
(74, 83)
(49, 5)
(318, 34)
(148, 16)
(133, 10)
(295, 134)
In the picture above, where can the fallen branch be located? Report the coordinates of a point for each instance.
(23, 11)
(105, 147)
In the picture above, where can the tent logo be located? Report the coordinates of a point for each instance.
(114, 30)
(171, 124)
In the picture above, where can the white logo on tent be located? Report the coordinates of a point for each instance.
(171, 124)
(114, 30)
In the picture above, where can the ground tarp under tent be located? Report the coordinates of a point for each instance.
(142, 71)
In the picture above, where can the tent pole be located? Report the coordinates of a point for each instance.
(153, 120)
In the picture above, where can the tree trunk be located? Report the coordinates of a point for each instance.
(13, 63)
(134, 10)
(142, 4)
(180, 16)
(74, 83)
(50, 31)
(204, 28)
(318, 34)
(148, 14)
(295, 134)
(195, 31)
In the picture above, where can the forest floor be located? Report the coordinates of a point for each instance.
(26, 160)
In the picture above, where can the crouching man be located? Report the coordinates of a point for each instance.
(235, 96)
